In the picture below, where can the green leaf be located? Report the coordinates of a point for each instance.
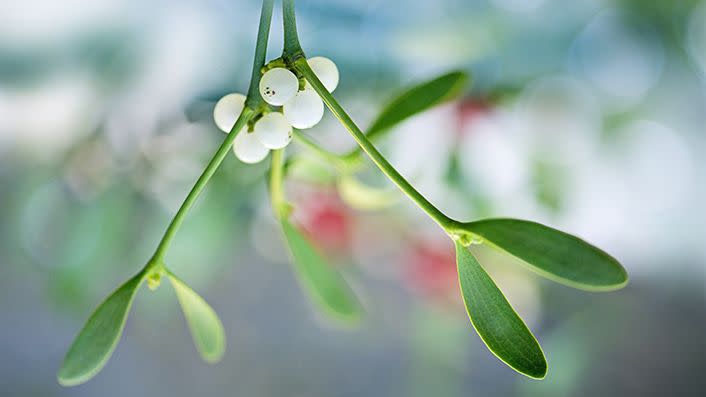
(364, 197)
(417, 99)
(325, 285)
(553, 254)
(97, 340)
(502, 330)
(205, 326)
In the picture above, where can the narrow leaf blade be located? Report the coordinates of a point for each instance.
(97, 340)
(553, 254)
(417, 99)
(205, 326)
(497, 323)
(325, 285)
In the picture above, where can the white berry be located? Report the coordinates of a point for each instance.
(278, 86)
(326, 71)
(227, 111)
(248, 148)
(305, 110)
(273, 131)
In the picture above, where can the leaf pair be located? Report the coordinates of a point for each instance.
(97, 340)
(551, 253)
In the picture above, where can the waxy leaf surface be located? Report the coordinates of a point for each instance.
(497, 323)
(553, 254)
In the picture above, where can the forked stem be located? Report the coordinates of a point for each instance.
(252, 103)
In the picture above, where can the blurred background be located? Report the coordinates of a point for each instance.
(587, 115)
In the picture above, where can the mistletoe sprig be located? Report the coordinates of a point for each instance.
(286, 95)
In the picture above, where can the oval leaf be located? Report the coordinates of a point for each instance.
(553, 254)
(205, 326)
(418, 99)
(97, 340)
(364, 197)
(497, 323)
(325, 285)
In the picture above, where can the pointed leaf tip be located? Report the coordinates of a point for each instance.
(96, 342)
(205, 326)
(323, 282)
(495, 321)
(553, 254)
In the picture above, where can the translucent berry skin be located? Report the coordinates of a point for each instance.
(273, 131)
(227, 111)
(248, 148)
(326, 71)
(278, 86)
(305, 110)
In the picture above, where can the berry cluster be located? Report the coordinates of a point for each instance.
(279, 87)
(265, 122)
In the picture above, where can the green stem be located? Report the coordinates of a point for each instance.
(279, 204)
(252, 103)
(201, 184)
(294, 55)
(445, 222)
(254, 99)
(292, 49)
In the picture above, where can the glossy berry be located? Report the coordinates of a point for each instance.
(227, 111)
(326, 71)
(305, 110)
(278, 86)
(273, 131)
(248, 148)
